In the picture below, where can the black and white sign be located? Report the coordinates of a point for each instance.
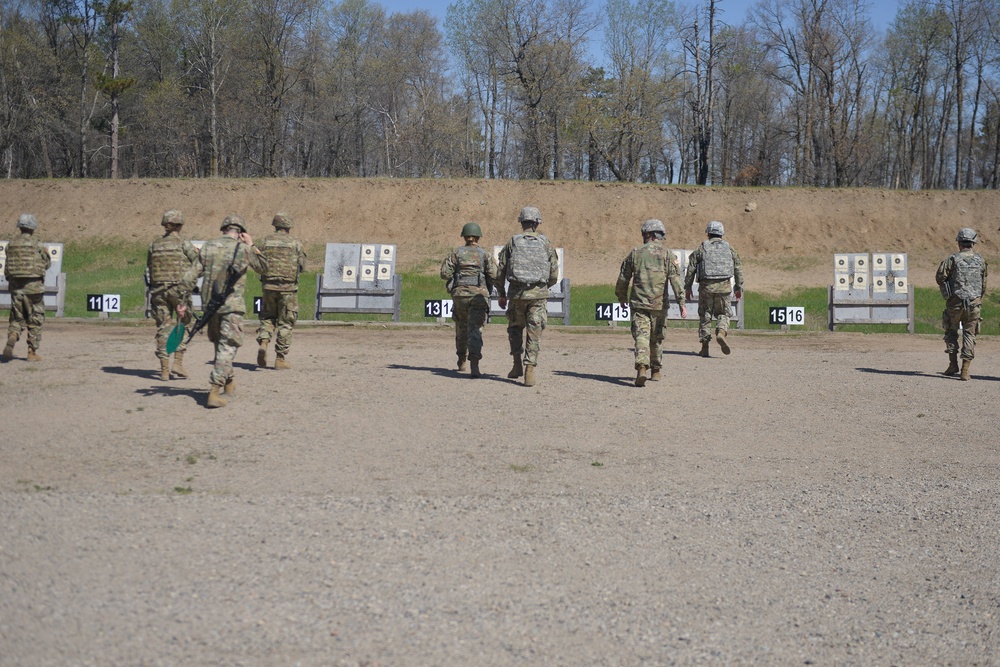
(438, 307)
(612, 312)
(258, 304)
(787, 315)
(104, 303)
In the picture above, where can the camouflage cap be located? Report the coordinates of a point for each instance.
(530, 214)
(282, 220)
(27, 221)
(172, 217)
(653, 225)
(233, 221)
(967, 235)
(715, 228)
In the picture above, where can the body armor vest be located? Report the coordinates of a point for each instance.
(469, 271)
(529, 260)
(23, 259)
(966, 277)
(167, 262)
(282, 259)
(716, 261)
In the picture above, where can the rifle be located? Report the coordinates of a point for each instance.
(218, 298)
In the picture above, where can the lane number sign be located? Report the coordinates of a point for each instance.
(258, 304)
(612, 312)
(104, 303)
(438, 307)
(787, 315)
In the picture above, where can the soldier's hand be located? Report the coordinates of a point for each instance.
(246, 238)
(688, 295)
(738, 294)
(502, 302)
(181, 309)
(684, 311)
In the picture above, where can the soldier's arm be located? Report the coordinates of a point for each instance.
(492, 273)
(985, 272)
(255, 259)
(502, 262)
(692, 270)
(553, 266)
(624, 278)
(737, 272)
(44, 249)
(302, 258)
(944, 270)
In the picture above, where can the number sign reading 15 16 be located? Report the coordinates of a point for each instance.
(612, 312)
(104, 303)
(787, 315)
(438, 307)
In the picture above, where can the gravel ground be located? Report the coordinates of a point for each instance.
(824, 499)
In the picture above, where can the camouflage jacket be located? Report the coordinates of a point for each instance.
(649, 268)
(281, 249)
(186, 273)
(31, 253)
(518, 291)
(452, 265)
(950, 280)
(216, 257)
(713, 286)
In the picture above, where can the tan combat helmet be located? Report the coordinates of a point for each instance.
(282, 220)
(27, 222)
(172, 217)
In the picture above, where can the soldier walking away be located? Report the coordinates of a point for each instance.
(27, 261)
(280, 303)
(714, 263)
(471, 273)
(649, 268)
(530, 264)
(225, 261)
(962, 279)
(172, 266)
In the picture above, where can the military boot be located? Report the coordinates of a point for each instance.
(475, 369)
(655, 375)
(281, 364)
(640, 376)
(965, 368)
(952, 364)
(518, 369)
(262, 355)
(230, 388)
(529, 376)
(178, 368)
(32, 355)
(214, 399)
(164, 369)
(463, 364)
(704, 348)
(721, 337)
(8, 350)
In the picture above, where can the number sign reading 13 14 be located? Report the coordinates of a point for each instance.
(612, 312)
(438, 307)
(787, 315)
(104, 303)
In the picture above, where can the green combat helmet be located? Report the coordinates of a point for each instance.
(282, 220)
(472, 229)
(234, 221)
(653, 225)
(27, 221)
(530, 214)
(172, 217)
(715, 228)
(967, 235)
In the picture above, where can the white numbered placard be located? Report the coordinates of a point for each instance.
(438, 307)
(104, 303)
(612, 312)
(787, 315)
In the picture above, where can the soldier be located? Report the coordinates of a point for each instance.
(962, 279)
(530, 264)
(225, 261)
(649, 268)
(714, 263)
(280, 308)
(27, 261)
(471, 273)
(172, 265)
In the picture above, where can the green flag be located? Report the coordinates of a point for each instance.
(175, 338)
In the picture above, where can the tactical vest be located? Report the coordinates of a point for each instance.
(167, 261)
(716, 260)
(282, 259)
(24, 260)
(650, 271)
(529, 260)
(966, 277)
(469, 271)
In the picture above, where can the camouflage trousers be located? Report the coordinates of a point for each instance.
(469, 314)
(226, 331)
(710, 307)
(163, 306)
(647, 332)
(968, 314)
(27, 311)
(530, 315)
(278, 313)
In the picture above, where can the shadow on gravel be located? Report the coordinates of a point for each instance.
(879, 371)
(444, 372)
(197, 395)
(144, 373)
(599, 378)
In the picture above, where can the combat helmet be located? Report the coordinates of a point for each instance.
(472, 229)
(967, 235)
(172, 217)
(715, 228)
(653, 225)
(282, 220)
(530, 214)
(27, 221)
(234, 221)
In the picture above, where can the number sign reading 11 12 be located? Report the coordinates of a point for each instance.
(612, 312)
(438, 307)
(787, 315)
(104, 303)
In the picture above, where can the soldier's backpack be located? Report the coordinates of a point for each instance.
(966, 278)
(469, 270)
(716, 261)
(529, 260)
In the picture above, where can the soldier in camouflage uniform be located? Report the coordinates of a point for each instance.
(649, 268)
(962, 279)
(530, 264)
(471, 273)
(714, 263)
(233, 250)
(27, 262)
(172, 266)
(280, 303)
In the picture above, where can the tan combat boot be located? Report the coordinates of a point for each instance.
(721, 337)
(952, 364)
(214, 399)
(8, 350)
(655, 375)
(704, 348)
(178, 368)
(518, 369)
(281, 364)
(32, 355)
(230, 388)
(640, 376)
(262, 355)
(965, 368)
(529, 376)
(164, 369)
(463, 365)
(475, 369)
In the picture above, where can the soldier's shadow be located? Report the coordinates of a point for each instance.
(197, 395)
(144, 373)
(937, 376)
(599, 378)
(444, 372)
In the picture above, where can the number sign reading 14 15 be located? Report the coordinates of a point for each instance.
(104, 303)
(438, 307)
(612, 312)
(787, 315)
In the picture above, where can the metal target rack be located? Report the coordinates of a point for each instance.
(359, 278)
(870, 289)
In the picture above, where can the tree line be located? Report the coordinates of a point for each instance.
(797, 92)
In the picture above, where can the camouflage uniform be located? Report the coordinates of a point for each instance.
(279, 311)
(471, 273)
(526, 306)
(713, 295)
(649, 268)
(27, 261)
(962, 278)
(172, 267)
(225, 329)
